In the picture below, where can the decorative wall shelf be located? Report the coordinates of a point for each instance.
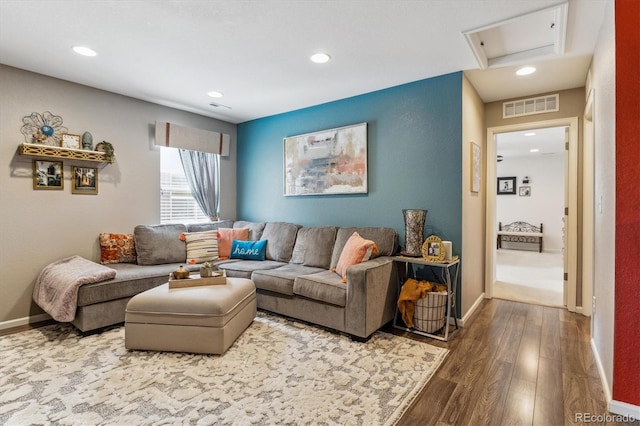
(47, 151)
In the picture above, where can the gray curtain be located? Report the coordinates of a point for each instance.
(202, 170)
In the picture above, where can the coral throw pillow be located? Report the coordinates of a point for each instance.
(117, 248)
(356, 250)
(201, 246)
(226, 237)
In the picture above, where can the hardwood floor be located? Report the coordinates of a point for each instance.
(516, 364)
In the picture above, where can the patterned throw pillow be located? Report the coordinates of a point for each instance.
(356, 250)
(226, 237)
(201, 246)
(117, 248)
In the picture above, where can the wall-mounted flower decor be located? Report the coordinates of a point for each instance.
(43, 128)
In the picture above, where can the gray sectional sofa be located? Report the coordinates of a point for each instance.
(294, 280)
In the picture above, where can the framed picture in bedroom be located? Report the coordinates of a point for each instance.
(506, 185)
(327, 162)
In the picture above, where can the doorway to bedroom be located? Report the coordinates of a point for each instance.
(532, 164)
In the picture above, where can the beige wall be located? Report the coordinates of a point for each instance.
(39, 227)
(571, 105)
(603, 71)
(473, 204)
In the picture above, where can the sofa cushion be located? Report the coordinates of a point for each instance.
(130, 280)
(280, 280)
(117, 248)
(385, 238)
(314, 246)
(356, 250)
(158, 244)
(201, 246)
(244, 268)
(226, 237)
(255, 228)
(281, 237)
(209, 226)
(250, 250)
(323, 286)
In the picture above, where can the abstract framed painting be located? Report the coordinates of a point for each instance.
(332, 161)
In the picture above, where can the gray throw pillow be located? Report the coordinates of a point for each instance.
(159, 244)
(281, 237)
(314, 246)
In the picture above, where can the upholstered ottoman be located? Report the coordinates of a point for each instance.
(205, 319)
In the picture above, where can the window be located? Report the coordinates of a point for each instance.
(177, 204)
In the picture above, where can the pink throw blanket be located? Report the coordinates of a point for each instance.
(56, 289)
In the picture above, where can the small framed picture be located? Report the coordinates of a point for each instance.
(476, 167)
(525, 191)
(48, 175)
(70, 141)
(433, 249)
(506, 185)
(84, 180)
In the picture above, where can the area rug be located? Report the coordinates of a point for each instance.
(279, 371)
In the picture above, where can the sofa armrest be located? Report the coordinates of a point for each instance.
(371, 296)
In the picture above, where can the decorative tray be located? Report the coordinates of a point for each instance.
(195, 280)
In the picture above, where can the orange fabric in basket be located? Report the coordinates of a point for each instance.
(412, 290)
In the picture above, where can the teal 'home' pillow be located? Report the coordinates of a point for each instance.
(248, 250)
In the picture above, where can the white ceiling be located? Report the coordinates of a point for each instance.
(548, 141)
(172, 52)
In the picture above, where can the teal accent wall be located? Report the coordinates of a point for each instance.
(414, 160)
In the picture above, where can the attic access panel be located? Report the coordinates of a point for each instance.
(533, 35)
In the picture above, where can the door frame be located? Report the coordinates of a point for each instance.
(571, 228)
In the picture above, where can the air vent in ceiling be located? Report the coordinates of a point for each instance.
(217, 105)
(520, 39)
(531, 106)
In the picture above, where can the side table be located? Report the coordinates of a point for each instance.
(447, 273)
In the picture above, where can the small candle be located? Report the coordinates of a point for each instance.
(447, 250)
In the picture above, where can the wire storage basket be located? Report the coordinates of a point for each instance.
(430, 312)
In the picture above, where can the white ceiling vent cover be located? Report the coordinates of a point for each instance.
(539, 105)
(519, 39)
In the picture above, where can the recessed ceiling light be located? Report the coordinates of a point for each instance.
(534, 150)
(320, 58)
(530, 134)
(215, 94)
(526, 71)
(84, 51)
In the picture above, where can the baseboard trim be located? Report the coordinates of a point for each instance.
(24, 321)
(629, 412)
(603, 377)
(471, 313)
